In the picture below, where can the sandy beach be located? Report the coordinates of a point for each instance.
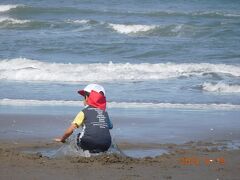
(22, 156)
(196, 162)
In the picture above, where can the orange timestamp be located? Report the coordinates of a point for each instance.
(195, 161)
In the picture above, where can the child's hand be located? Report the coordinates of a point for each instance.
(67, 133)
(59, 140)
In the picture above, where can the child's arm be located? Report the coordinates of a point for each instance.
(67, 133)
(75, 124)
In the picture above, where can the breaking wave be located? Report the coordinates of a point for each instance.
(83, 21)
(221, 87)
(24, 102)
(128, 29)
(162, 30)
(22, 69)
(4, 8)
(11, 21)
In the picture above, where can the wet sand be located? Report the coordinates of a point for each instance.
(192, 160)
(168, 128)
(195, 162)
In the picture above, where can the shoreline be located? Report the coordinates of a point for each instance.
(166, 128)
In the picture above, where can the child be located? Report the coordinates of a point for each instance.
(94, 119)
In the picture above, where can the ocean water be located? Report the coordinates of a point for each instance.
(150, 56)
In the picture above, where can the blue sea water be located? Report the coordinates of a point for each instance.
(149, 55)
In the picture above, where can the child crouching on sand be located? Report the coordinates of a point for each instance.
(94, 120)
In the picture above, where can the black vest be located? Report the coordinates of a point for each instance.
(95, 133)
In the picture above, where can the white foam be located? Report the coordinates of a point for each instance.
(24, 102)
(83, 21)
(124, 105)
(13, 21)
(177, 28)
(175, 106)
(221, 87)
(22, 69)
(128, 29)
(231, 15)
(4, 8)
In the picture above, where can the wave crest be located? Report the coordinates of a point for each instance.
(83, 21)
(4, 8)
(11, 21)
(128, 29)
(127, 105)
(221, 87)
(21, 69)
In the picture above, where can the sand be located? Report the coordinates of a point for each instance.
(188, 161)
(191, 161)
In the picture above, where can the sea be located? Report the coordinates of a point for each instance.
(176, 62)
